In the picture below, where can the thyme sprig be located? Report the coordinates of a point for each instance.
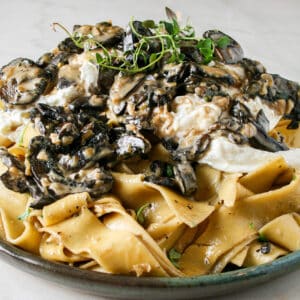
(167, 36)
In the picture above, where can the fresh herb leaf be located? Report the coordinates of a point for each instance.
(169, 27)
(169, 171)
(294, 177)
(172, 58)
(149, 24)
(181, 57)
(152, 57)
(21, 139)
(206, 48)
(262, 238)
(25, 215)
(176, 27)
(189, 31)
(223, 42)
(140, 214)
(169, 34)
(174, 257)
(251, 225)
(99, 58)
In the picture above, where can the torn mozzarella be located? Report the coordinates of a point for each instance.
(229, 157)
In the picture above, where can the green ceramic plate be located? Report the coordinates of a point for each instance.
(125, 287)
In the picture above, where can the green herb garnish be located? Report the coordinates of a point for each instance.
(262, 238)
(169, 171)
(251, 225)
(25, 215)
(223, 42)
(21, 138)
(174, 257)
(206, 48)
(140, 214)
(168, 36)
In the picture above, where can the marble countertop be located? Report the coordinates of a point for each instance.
(268, 31)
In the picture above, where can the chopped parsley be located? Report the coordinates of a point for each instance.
(169, 171)
(251, 225)
(25, 215)
(174, 257)
(140, 214)
(262, 238)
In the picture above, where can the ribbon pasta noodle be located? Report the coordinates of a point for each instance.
(177, 165)
(76, 229)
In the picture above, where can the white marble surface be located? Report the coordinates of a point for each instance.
(267, 30)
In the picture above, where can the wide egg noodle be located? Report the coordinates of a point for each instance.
(283, 231)
(109, 236)
(240, 257)
(256, 257)
(227, 257)
(262, 179)
(168, 213)
(120, 221)
(61, 210)
(291, 136)
(20, 233)
(52, 248)
(230, 226)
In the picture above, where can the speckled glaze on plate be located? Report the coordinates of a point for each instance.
(126, 287)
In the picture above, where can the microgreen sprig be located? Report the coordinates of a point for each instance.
(168, 35)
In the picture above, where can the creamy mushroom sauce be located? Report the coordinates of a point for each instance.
(92, 118)
(190, 116)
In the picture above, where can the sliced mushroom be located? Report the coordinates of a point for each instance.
(231, 53)
(255, 130)
(253, 68)
(217, 74)
(264, 142)
(129, 145)
(162, 174)
(46, 117)
(191, 52)
(23, 81)
(52, 179)
(57, 58)
(45, 59)
(14, 178)
(130, 37)
(164, 181)
(68, 45)
(96, 182)
(122, 86)
(186, 178)
(193, 152)
(88, 107)
(104, 33)
(274, 88)
(105, 80)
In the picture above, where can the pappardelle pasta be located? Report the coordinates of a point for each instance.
(149, 152)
